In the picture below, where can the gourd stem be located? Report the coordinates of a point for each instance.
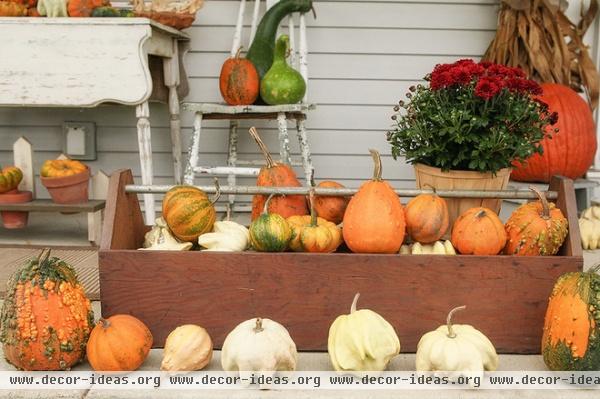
(43, 256)
(431, 187)
(313, 212)
(262, 146)
(217, 192)
(237, 53)
(266, 207)
(258, 327)
(480, 214)
(282, 49)
(314, 12)
(451, 333)
(354, 303)
(104, 322)
(377, 162)
(544, 201)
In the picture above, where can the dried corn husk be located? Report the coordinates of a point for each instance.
(537, 36)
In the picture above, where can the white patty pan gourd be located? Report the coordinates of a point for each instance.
(160, 238)
(187, 348)
(361, 341)
(227, 236)
(259, 345)
(437, 248)
(589, 228)
(459, 348)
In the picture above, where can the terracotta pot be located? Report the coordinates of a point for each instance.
(15, 219)
(69, 189)
(430, 177)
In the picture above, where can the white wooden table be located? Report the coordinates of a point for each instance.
(83, 62)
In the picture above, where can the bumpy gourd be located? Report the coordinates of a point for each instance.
(12, 9)
(459, 348)
(259, 345)
(160, 238)
(10, 177)
(227, 236)
(282, 84)
(571, 338)
(52, 8)
(437, 248)
(361, 341)
(187, 348)
(46, 316)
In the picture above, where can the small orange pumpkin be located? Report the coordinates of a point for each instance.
(119, 343)
(374, 218)
(427, 218)
(84, 8)
(10, 177)
(331, 208)
(189, 212)
(276, 175)
(62, 168)
(239, 82)
(478, 231)
(536, 228)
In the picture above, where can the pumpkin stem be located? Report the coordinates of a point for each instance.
(354, 303)
(262, 146)
(543, 200)
(451, 333)
(217, 192)
(258, 327)
(314, 12)
(480, 214)
(237, 53)
(431, 187)
(104, 322)
(377, 162)
(313, 212)
(43, 256)
(266, 207)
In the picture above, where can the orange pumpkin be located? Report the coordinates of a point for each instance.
(239, 82)
(374, 218)
(478, 231)
(46, 316)
(10, 9)
(427, 218)
(84, 8)
(311, 233)
(62, 168)
(331, 208)
(119, 343)
(276, 175)
(10, 177)
(189, 212)
(536, 228)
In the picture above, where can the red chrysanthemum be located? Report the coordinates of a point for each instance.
(487, 87)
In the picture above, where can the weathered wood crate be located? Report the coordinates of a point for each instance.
(506, 296)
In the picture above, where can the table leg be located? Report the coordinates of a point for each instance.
(145, 147)
(172, 80)
(284, 140)
(304, 150)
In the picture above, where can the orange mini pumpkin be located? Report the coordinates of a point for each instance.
(478, 231)
(536, 228)
(331, 208)
(239, 82)
(46, 316)
(427, 218)
(119, 343)
(62, 168)
(189, 212)
(276, 175)
(374, 218)
(84, 8)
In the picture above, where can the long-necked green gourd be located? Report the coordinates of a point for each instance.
(262, 49)
(282, 84)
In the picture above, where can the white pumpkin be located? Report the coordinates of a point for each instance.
(362, 341)
(187, 348)
(160, 238)
(227, 236)
(259, 345)
(458, 348)
(437, 248)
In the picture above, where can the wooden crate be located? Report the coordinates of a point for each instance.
(506, 296)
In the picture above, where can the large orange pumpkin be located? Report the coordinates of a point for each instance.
(331, 208)
(276, 175)
(239, 82)
(119, 343)
(571, 339)
(536, 228)
(62, 168)
(46, 316)
(189, 212)
(374, 218)
(427, 218)
(478, 231)
(571, 151)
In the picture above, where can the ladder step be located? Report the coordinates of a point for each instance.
(226, 170)
(261, 163)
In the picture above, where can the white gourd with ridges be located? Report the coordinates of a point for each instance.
(227, 236)
(187, 348)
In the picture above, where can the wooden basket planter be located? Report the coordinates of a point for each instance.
(506, 296)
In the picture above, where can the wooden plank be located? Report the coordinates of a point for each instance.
(567, 203)
(306, 292)
(23, 159)
(44, 205)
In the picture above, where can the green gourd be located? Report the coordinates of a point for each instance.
(282, 84)
(262, 49)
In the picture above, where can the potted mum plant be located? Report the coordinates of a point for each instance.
(468, 126)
